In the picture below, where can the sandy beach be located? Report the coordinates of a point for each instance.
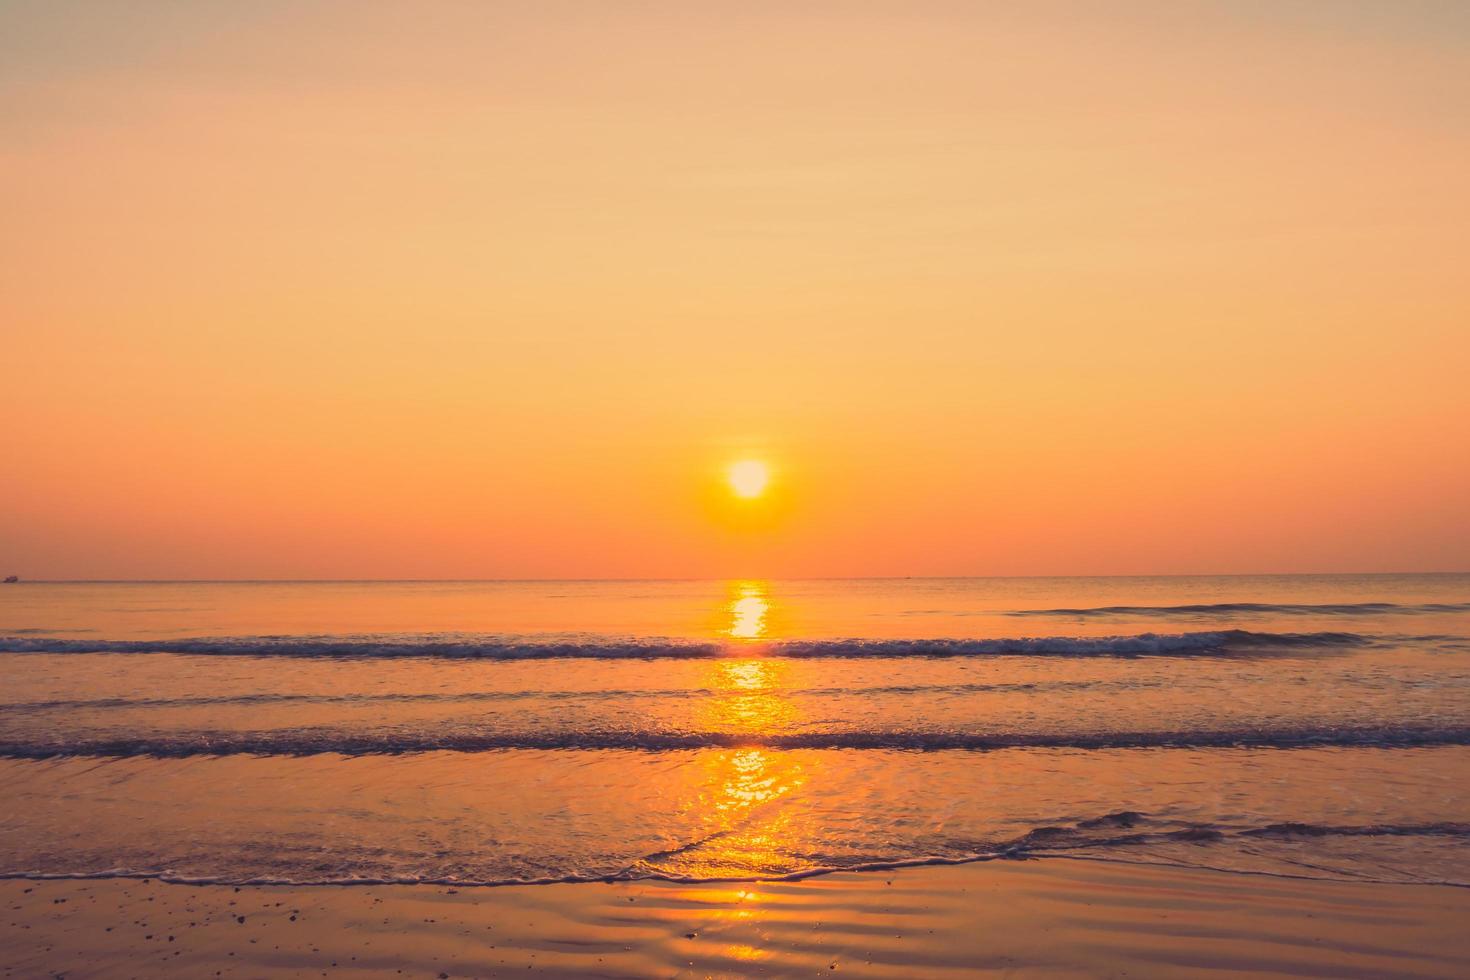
(1033, 918)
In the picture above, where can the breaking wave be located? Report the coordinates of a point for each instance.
(302, 742)
(1259, 608)
(1207, 643)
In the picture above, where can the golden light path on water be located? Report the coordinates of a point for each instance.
(748, 610)
(738, 799)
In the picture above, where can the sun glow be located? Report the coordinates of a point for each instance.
(748, 478)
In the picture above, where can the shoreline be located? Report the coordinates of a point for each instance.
(876, 867)
(1045, 918)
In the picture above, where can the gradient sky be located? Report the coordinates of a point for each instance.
(498, 289)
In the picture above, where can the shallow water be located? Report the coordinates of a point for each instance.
(494, 732)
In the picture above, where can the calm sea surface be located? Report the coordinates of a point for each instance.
(490, 732)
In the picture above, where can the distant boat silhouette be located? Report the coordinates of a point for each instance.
(11, 578)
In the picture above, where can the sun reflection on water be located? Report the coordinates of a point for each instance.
(743, 794)
(748, 611)
(748, 697)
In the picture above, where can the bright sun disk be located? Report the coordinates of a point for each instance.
(748, 478)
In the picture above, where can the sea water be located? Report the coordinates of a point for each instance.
(495, 732)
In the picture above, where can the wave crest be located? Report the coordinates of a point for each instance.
(1205, 643)
(1259, 608)
(304, 742)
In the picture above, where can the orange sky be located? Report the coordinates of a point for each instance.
(498, 289)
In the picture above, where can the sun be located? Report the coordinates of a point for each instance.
(748, 478)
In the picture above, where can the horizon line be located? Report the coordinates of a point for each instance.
(705, 578)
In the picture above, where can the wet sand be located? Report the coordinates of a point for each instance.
(1035, 918)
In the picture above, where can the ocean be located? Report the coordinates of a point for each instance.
(483, 733)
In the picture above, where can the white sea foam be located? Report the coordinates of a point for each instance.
(300, 742)
(1203, 643)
